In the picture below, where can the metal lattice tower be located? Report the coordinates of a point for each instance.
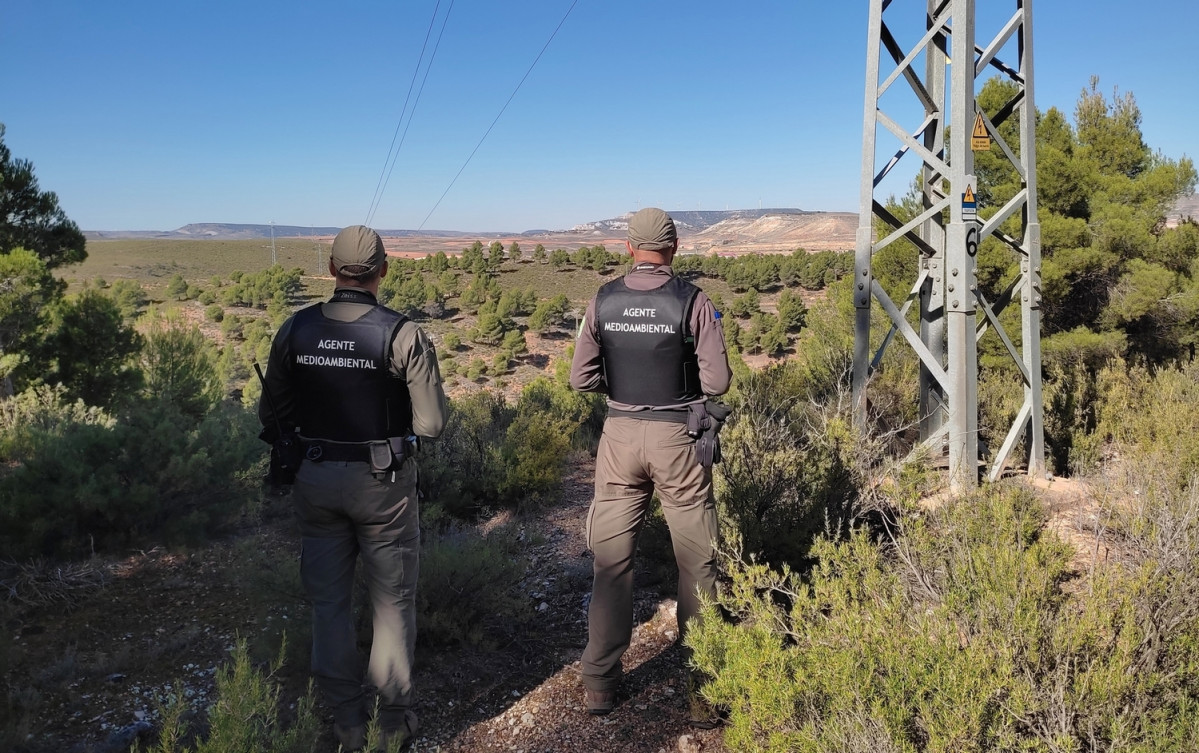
(943, 71)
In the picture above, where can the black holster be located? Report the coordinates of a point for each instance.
(286, 454)
(704, 422)
(390, 454)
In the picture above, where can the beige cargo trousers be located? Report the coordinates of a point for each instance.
(636, 458)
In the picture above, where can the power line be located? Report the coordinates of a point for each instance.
(499, 115)
(385, 173)
(419, 91)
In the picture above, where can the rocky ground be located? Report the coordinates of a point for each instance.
(118, 637)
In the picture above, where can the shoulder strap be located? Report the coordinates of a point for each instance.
(692, 292)
(392, 331)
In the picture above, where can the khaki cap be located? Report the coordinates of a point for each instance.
(651, 229)
(357, 252)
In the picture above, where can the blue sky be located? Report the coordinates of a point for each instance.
(151, 115)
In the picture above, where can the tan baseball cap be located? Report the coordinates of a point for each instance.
(651, 229)
(357, 252)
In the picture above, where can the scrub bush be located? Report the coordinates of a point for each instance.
(1150, 416)
(954, 633)
(40, 410)
(792, 466)
(244, 716)
(174, 464)
(496, 455)
(88, 486)
(468, 588)
(180, 366)
(461, 469)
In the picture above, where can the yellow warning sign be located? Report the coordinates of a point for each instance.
(968, 197)
(980, 140)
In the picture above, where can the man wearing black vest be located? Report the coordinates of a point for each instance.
(653, 343)
(359, 384)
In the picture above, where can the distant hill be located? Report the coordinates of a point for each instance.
(812, 231)
(1187, 206)
(689, 223)
(223, 231)
(699, 230)
(732, 230)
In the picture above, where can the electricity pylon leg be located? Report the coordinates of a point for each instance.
(864, 248)
(953, 313)
(931, 408)
(1031, 263)
(961, 319)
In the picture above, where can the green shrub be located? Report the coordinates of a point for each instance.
(1073, 361)
(88, 347)
(1148, 419)
(166, 466)
(177, 288)
(180, 366)
(493, 454)
(232, 327)
(514, 342)
(129, 296)
(244, 718)
(97, 486)
(43, 410)
(468, 592)
(582, 412)
(476, 368)
(535, 449)
(214, 313)
(954, 634)
(549, 313)
(460, 469)
(791, 469)
(490, 329)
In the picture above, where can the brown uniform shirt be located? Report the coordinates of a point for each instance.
(413, 359)
(587, 368)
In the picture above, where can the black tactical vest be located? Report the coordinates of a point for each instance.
(649, 356)
(341, 370)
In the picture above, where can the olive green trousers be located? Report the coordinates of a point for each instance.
(636, 458)
(346, 513)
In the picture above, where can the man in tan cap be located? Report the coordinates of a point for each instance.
(359, 384)
(653, 343)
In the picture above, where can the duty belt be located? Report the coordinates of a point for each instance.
(669, 415)
(319, 452)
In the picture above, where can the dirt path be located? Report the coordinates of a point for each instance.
(542, 712)
(161, 622)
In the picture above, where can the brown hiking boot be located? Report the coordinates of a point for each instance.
(396, 740)
(350, 738)
(401, 738)
(599, 702)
